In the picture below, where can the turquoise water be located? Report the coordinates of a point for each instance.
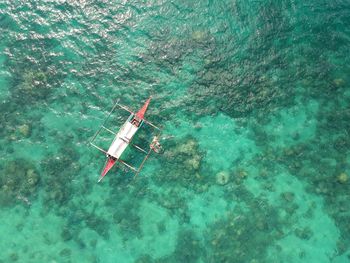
(254, 100)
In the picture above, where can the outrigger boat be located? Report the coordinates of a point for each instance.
(123, 138)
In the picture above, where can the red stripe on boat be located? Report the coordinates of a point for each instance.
(109, 165)
(141, 113)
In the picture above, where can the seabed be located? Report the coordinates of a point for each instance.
(254, 100)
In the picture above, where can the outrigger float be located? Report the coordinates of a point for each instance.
(123, 138)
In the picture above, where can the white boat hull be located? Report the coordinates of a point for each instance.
(122, 139)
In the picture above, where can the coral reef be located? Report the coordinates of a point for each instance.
(128, 222)
(34, 86)
(246, 237)
(303, 233)
(144, 259)
(66, 252)
(244, 75)
(97, 223)
(19, 182)
(58, 172)
(322, 166)
(240, 174)
(288, 196)
(78, 219)
(189, 248)
(183, 164)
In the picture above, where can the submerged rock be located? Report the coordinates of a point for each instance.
(222, 178)
(242, 174)
(338, 82)
(32, 177)
(66, 234)
(33, 86)
(303, 233)
(194, 162)
(288, 196)
(144, 259)
(66, 252)
(199, 35)
(343, 178)
(24, 130)
(188, 147)
(14, 257)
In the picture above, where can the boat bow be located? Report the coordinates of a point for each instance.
(141, 113)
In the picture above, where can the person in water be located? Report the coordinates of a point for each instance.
(155, 145)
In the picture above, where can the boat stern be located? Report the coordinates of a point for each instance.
(108, 166)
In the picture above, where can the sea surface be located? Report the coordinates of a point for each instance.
(253, 98)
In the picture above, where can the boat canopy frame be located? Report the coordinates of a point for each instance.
(146, 152)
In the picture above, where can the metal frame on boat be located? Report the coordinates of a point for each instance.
(123, 138)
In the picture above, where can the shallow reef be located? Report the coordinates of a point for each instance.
(77, 219)
(58, 189)
(326, 177)
(19, 182)
(321, 162)
(189, 248)
(247, 61)
(33, 87)
(124, 201)
(244, 236)
(144, 259)
(58, 172)
(182, 162)
(127, 220)
(32, 82)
